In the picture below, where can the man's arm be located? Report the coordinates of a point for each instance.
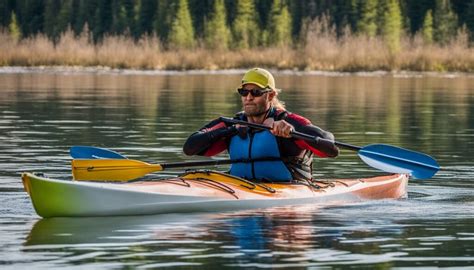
(303, 125)
(210, 140)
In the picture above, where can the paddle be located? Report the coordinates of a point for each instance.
(128, 169)
(380, 156)
(90, 152)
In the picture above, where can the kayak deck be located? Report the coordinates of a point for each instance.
(196, 191)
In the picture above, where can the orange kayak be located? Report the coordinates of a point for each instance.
(197, 191)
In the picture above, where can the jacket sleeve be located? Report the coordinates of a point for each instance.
(322, 148)
(210, 140)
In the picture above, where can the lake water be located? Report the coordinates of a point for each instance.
(148, 116)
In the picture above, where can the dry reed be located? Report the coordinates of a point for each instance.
(321, 49)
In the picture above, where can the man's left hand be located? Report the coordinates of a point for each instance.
(280, 128)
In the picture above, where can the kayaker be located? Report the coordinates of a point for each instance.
(280, 158)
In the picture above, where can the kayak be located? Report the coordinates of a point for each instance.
(197, 191)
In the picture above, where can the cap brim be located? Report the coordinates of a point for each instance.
(259, 85)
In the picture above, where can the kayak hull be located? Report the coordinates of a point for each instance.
(196, 192)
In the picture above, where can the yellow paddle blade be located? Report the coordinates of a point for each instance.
(111, 169)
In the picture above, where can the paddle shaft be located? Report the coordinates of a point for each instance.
(295, 134)
(212, 162)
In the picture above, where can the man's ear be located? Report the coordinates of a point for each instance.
(271, 95)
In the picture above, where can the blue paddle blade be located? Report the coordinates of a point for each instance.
(398, 160)
(90, 152)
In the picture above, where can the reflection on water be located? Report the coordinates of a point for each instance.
(147, 116)
(288, 236)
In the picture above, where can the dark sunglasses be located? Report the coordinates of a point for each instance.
(256, 92)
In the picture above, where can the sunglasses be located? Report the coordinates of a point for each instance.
(256, 92)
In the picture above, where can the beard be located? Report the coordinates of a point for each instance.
(255, 109)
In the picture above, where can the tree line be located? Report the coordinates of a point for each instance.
(238, 24)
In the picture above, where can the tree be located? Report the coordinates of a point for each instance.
(51, 10)
(103, 19)
(427, 29)
(367, 23)
(279, 32)
(166, 10)
(13, 27)
(182, 32)
(5, 13)
(245, 26)
(64, 18)
(392, 25)
(124, 17)
(470, 20)
(146, 16)
(200, 10)
(444, 21)
(216, 32)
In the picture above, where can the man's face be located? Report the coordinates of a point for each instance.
(256, 106)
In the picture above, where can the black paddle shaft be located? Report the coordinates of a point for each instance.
(214, 162)
(294, 134)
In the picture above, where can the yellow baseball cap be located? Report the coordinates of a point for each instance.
(260, 77)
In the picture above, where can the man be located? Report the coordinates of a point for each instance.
(271, 156)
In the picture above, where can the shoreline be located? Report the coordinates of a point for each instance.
(104, 70)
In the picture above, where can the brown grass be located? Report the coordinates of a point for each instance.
(320, 50)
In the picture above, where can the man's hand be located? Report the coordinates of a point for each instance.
(280, 128)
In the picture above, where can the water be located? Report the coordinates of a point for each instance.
(148, 115)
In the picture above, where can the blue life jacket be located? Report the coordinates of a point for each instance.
(262, 144)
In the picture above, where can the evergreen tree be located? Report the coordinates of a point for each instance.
(165, 17)
(77, 22)
(200, 10)
(279, 32)
(427, 29)
(51, 11)
(126, 18)
(31, 16)
(103, 19)
(470, 18)
(444, 22)
(416, 12)
(64, 19)
(367, 23)
(182, 32)
(263, 7)
(245, 26)
(392, 25)
(146, 16)
(13, 28)
(5, 13)
(216, 32)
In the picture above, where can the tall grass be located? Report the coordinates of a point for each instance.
(319, 49)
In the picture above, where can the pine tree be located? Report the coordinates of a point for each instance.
(279, 32)
(51, 10)
(166, 10)
(427, 29)
(103, 19)
(392, 25)
(13, 27)
(64, 18)
(146, 16)
(245, 26)
(216, 32)
(368, 18)
(470, 18)
(200, 10)
(5, 13)
(182, 32)
(444, 22)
